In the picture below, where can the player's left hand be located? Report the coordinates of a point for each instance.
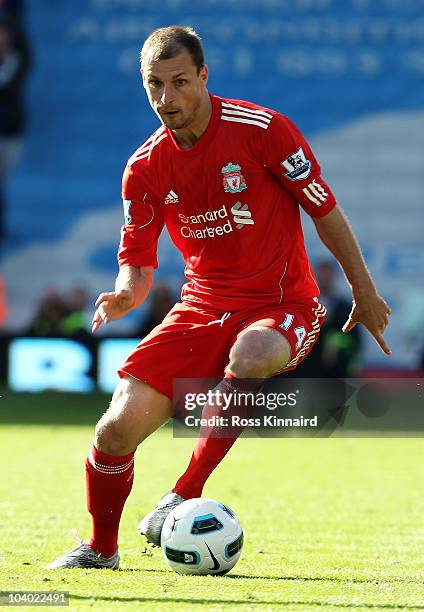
(373, 312)
(111, 306)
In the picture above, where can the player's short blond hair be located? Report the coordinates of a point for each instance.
(165, 43)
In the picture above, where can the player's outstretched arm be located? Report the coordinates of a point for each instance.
(368, 308)
(132, 287)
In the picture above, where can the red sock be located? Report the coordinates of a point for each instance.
(109, 480)
(211, 448)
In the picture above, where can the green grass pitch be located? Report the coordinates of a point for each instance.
(330, 524)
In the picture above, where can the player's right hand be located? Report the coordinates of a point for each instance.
(111, 306)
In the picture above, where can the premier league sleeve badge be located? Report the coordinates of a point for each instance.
(297, 166)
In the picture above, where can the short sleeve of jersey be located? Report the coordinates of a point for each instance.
(143, 222)
(289, 157)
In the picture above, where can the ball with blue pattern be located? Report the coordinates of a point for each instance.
(202, 536)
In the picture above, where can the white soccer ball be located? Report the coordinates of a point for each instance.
(201, 536)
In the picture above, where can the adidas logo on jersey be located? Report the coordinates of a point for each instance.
(172, 198)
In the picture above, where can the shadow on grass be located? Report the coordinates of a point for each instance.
(294, 578)
(251, 601)
(326, 579)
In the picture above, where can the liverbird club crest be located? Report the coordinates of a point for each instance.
(232, 178)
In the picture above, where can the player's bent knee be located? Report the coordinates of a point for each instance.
(258, 353)
(112, 435)
(247, 367)
(111, 438)
(136, 411)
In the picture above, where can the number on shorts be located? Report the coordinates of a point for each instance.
(300, 335)
(287, 321)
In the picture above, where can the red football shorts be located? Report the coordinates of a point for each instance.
(195, 343)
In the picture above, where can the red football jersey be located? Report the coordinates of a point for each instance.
(231, 206)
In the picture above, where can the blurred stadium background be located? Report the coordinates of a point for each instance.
(350, 74)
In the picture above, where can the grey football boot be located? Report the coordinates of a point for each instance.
(151, 525)
(85, 557)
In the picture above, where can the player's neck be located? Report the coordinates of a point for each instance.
(187, 137)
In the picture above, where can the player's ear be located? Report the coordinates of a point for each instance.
(142, 78)
(203, 74)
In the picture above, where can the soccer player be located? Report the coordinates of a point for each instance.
(227, 178)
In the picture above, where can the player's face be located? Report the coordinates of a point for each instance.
(175, 89)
